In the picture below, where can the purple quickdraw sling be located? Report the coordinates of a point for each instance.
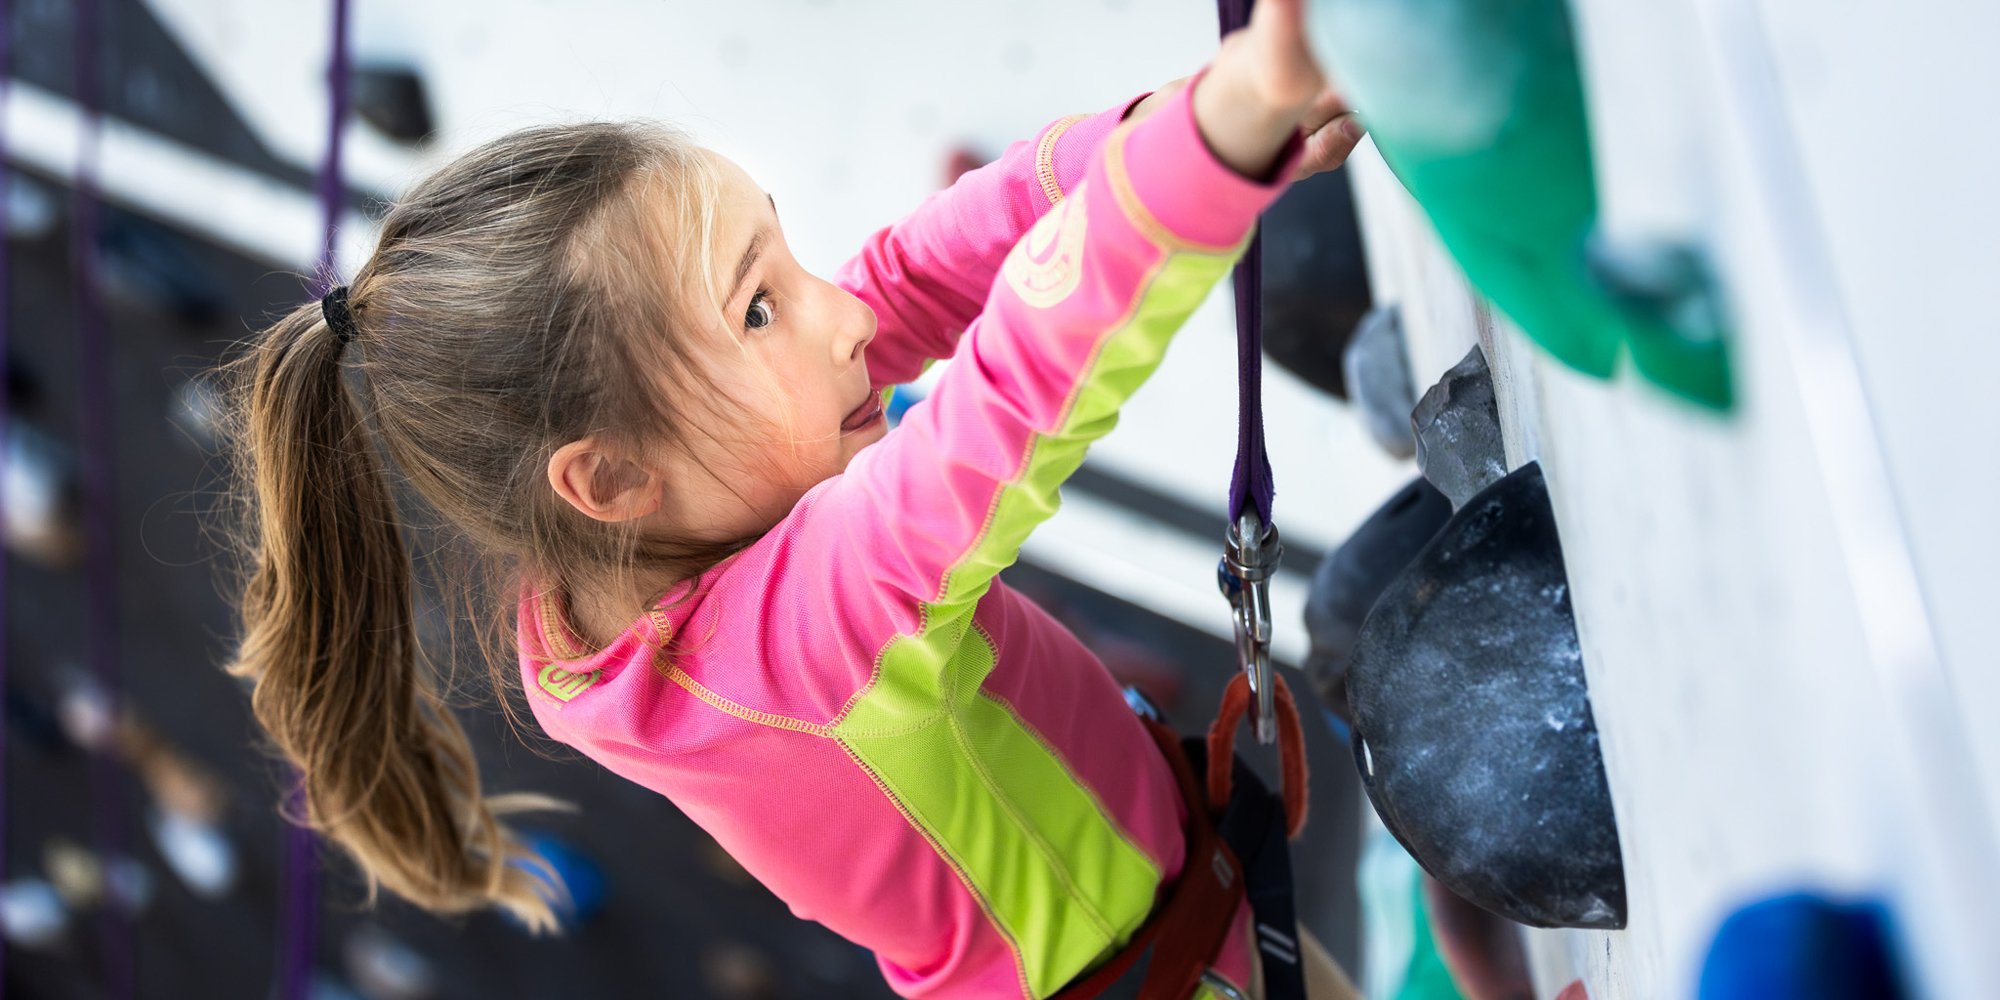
(1252, 550)
(1255, 828)
(300, 907)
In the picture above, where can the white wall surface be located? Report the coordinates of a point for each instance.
(1784, 614)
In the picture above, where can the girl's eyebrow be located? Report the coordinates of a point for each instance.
(750, 255)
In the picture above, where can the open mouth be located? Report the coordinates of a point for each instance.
(867, 413)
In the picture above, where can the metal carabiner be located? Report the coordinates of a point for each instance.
(1250, 555)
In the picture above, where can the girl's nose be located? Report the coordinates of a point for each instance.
(856, 332)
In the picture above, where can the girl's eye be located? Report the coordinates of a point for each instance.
(760, 314)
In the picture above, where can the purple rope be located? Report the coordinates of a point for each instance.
(331, 190)
(6, 68)
(1250, 484)
(97, 448)
(301, 858)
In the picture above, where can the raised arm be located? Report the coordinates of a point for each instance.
(927, 275)
(1081, 315)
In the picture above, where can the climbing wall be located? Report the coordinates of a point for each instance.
(1781, 605)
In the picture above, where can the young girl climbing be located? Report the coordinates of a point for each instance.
(588, 349)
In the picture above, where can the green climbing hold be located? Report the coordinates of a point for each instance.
(1478, 108)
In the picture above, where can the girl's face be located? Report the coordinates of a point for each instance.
(792, 363)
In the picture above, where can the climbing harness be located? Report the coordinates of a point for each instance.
(1236, 848)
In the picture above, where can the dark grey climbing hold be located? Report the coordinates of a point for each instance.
(1315, 279)
(1472, 723)
(392, 99)
(1377, 368)
(153, 265)
(1351, 577)
(1457, 426)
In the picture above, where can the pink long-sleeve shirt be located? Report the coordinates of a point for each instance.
(855, 707)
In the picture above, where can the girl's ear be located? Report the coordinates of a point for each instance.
(601, 485)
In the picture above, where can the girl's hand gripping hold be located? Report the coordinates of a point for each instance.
(1262, 88)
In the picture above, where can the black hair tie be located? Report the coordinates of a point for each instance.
(334, 307)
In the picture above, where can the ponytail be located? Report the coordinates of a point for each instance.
(330, 640)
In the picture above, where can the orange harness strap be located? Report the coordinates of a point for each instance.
(1291, 749)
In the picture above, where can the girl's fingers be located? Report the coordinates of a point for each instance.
(1276, 33)
(1325, 108)
(1329, 145)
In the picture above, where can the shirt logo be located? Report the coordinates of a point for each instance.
(564, 685)
(1047, 265)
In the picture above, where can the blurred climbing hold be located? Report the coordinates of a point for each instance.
(1400, 959)
(391, 97)
(41, 498)
(1376, 367)
(1315, 279)
(1472, 722)
(581, 878)
(382, 967)
(146, 264)
(1478, 108)
(32, 914)
(31, 209)
(1351, 578)
(1801, 946)
(199, 854)
(1675, 314)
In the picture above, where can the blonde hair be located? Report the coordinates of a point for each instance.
(521, 297)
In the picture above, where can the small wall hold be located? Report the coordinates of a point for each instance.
(1802, 946)
(41, 498)
(156, 267)
(383, 965)
(1472, 721)
(392, 99)
(32, 914)
(1377, 369)
(1351, 577)
(31, 207)
(1315, 279)
(1677, 330)
(1457, 425)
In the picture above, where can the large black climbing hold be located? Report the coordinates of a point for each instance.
(392, 99)
(1377, 368)
(1315, 279)
(1457, 423)
(1351, 577)
(1472, 724)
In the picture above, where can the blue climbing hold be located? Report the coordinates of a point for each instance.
(1802, 947)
